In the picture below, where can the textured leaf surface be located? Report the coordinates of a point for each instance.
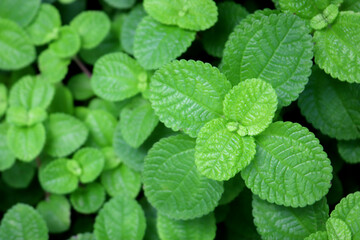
(16, 49)
(194, 15)
(187, 94)
(102, 126)
(65, 134)
(348, 210)
(350, 151)
(279, 222)
(55, 177)
(67, 43)
(252, 104)
(88, 199)
(116, 77)
(290, 167)
(91, 161)
(19, 175)
(220, 153)
(320, 235)
(121, 180)
(156, 44)
(7, 157)
(203, 228)
(277, 49)
(337, 229)
(335, 48)
(23, 222)
(137, 121)
(332, 106)
(52, 67)
(120, 218)
(19, 11)
(92, 26)
(55, 210)
(172, 183)
(121, 4)
(26, 142)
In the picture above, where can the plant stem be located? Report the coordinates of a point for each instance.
(82, 66)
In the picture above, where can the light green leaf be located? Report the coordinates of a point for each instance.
(30, 92)
(102, 126)
(349, 151)
(111, 160)
(120, 218)
(335, 50)
(3, 99)
(23, 222)
(348, 210)
(91, 161)
(7, 158)
(80, 87)
(20, 117)
(337, 229)
(16, 49)
(26, 143)
(290, 167)
(325, 18)
(320, 235)
(19, 175)
(63, 101)
(117, 76)
(112, 107)
(252, 104)
(45, 25)
(214, 39)
(92, 26)
(88, 199)
(332, 106)
(65, 134)
(52, 67)
(129, 26)
(56, 177)
(121, 180)
(277, 49)
(156, 44)
(172, 183)
(137, 121)
(67, 44)
(187, 94)
(232, 188)
(194, 15)
(300, 222)
(19, 11)
(83, 236)
(55, 210)
(203, 228)
(350, 5)
(221, 153)
(121, 4)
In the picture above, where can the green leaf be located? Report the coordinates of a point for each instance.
(65, 134)
(7, 158)
(23, 222)
(16, 49)
(300, 222)
(348, 210)
(67, 44)
(335, 50)
(45, 25)
(55, 210)
(332, 106)
(137, 121)
(88, 199)
(252, 103)
(214, 39)
(92, 26)
(121, 4)
(111, 160)
(112, 107)
(121, 180)
(26, 143)
(3, 99)
(129, 26)
(194, 15)
(349, 151)
(56, 177)
(19, 11)
(91, 161)
(80, 87)
(163, 43)
(63, 101)
(102, 126)
(52, 67)
(350, 5)
(290, 167)
(277, 49)
(203, 228)
(19, 175)
(232, 188)
(30, 92)
(320, 235)
(337, 229)
(83, 236)
(187, 94)
(22, 118)
(172, 183)
(220, 153)
(116, 77)
(328, 16)
(120, 218)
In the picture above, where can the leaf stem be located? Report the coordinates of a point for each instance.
(82, 66)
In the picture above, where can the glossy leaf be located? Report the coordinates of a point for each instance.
(88, 199)
(337, 229)
(91, 161)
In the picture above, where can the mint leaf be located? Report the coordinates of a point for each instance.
(187, 94)
(80, 87)
(102, 126)
(21, 12)
(349, 151)
(52, 67)
(111, 159)
(91, 161)
(88, 199)
(7, 158)
(320, 235)
(337, 229)
(67, 43)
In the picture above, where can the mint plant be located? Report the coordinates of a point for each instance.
(166, 120)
